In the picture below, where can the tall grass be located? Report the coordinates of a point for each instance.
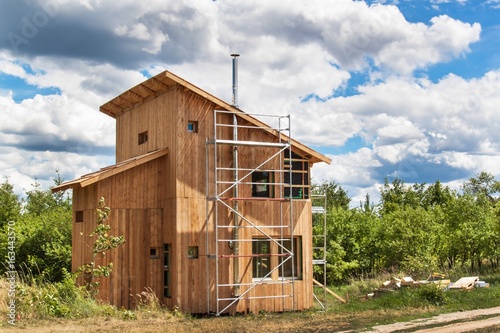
(38, 299)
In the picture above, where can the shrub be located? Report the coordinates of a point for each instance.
(432, 293)
(36, 299)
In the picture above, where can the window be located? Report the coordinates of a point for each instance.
(261, 262)
(192, 126)
(300, 176)
(287, 270)
(153, 253)
(269, 255)
(142, 138)
(261, 187)
(79, 216)
(167, 259)
(193, 252)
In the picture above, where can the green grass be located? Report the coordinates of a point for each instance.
(39, 302)
(409, 303)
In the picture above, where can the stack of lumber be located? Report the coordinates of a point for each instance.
(468, 283)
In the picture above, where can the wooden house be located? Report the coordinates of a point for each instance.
(213, 203)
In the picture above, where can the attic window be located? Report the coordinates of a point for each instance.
(142, 138)
(192, 126)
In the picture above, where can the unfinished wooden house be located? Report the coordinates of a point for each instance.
(213, 203)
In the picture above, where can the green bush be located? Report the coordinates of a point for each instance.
(431, 293)
(37, 299)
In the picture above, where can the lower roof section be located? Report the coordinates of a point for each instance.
(110, 171)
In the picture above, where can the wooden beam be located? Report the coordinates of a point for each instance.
(330, 292)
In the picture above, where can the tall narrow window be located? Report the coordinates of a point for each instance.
(142, 138)
(261, 184)
(293, 266)
(300, 176)
(261, 262)
(167, 260)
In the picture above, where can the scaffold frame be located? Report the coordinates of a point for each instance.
(225, 196)
(319, 201)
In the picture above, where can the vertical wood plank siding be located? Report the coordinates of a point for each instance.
(163, 202)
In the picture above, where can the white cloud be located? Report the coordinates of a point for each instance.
(421, 45)
(294, 57)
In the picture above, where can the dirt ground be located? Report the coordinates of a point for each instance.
(466, 321)
(456, 322)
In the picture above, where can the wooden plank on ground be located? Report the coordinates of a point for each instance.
(330, 292)
(465, 283)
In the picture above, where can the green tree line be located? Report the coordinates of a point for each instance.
(40, 222)
(415, 229)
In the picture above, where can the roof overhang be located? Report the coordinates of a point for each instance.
(166, 81)
(110, 171)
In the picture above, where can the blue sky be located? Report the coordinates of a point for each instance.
(403, 88)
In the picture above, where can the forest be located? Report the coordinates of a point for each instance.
(416, 229)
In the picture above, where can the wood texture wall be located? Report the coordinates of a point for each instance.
(164, 201)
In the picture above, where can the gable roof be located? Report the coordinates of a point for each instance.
(109, 171)
(165, 81)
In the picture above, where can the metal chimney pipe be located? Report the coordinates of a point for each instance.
(235, 78)
(236, 233)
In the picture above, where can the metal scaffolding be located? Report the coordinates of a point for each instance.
(319, 245)
(224, 196)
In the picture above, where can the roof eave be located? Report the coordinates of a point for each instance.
(110, 171)
(166, 79)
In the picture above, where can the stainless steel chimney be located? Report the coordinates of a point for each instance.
(235, 78)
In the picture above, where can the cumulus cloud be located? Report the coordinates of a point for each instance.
(295, 58)
(131, 34)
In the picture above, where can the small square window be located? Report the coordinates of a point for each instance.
(79, 216)
(261, 184)
(192, 126)
(153, 253)
(142, 138)
(193, 252)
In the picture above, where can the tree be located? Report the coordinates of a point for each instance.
(397, 194)
(483, 185)
(104, 242)
(367, 207)
(42, 233)
(44, 242)
(10, 207)
(409, 238)
(61, 198)
(336, 196)
(437, 195)
(38, 200)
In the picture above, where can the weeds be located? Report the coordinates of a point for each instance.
(39, 299)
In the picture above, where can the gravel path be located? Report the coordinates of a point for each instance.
(442, 320)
